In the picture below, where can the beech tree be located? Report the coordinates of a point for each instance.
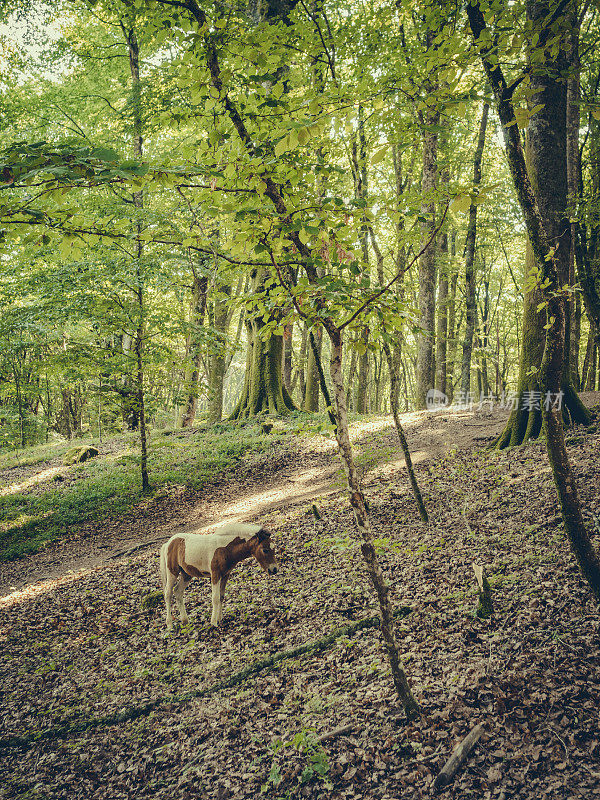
(540, 179)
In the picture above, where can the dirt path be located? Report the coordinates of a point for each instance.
(258, 488)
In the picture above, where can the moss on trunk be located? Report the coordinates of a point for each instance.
(263, 390)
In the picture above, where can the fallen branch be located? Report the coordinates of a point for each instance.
(66, 729)
(459, 755)
(325, 737)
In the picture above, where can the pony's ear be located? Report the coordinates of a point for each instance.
(263, 534)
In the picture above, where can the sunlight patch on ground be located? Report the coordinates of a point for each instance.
(35, 589)
(293, 489)
(21, 520)
(39, 477)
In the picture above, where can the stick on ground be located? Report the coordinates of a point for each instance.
(459, 755)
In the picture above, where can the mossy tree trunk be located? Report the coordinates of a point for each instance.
(194, 351)
(541, 186)
(311, 394)
(573, 173)
(288, 352)
(525, 421)
(263, 391)
(441, 339)
(546, 150)
(217, 365)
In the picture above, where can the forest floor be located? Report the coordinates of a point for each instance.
(98, 703)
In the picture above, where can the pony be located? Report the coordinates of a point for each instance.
(213, 555)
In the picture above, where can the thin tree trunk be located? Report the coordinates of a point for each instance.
(426, 295)
(452, 328)
(138, 201)
(351, 374)
(357, 501)
(485, 338)
(471, 306)
(361, 192)
(442, 319)
(394, 392)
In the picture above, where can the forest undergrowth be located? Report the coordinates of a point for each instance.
(326, 723)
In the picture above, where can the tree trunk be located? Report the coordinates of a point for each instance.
(547, 170)
(362, 380)
(575, 340)
(485, 325)
(361, 516)
(127, 388)
(138, 202)
(311, 394)
(442, 320)
(541, 187)
(216, 359)
(471, 306)
(194, 351)
(263, 391)
(394, 392)
(300, 369)
(452, 328)
(350, 394)
(588, 375)
(573, 172)
(361, 193)
(426, 296)
(288, 336)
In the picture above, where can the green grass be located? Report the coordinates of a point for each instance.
(108, 487)
(34, 455)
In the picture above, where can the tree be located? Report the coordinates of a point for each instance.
(470, 298)
(541, 185)
(526, 419)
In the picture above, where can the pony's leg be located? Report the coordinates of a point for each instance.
(168, 592)
(216, 604)
(184, 580)
(222, 596)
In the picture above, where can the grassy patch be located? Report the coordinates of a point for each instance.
(108, 487)
(33, 455)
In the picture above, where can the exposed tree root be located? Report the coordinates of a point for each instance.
(135, 712)
(525, 421)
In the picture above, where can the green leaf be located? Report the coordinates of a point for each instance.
(461, 203)
(303, 135)
(281, 147)
(379, 155)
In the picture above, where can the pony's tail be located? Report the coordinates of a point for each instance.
(163, 565)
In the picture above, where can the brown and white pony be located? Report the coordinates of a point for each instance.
(214, 555)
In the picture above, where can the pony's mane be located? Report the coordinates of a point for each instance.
(237, 530)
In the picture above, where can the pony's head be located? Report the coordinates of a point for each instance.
(262, 552)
